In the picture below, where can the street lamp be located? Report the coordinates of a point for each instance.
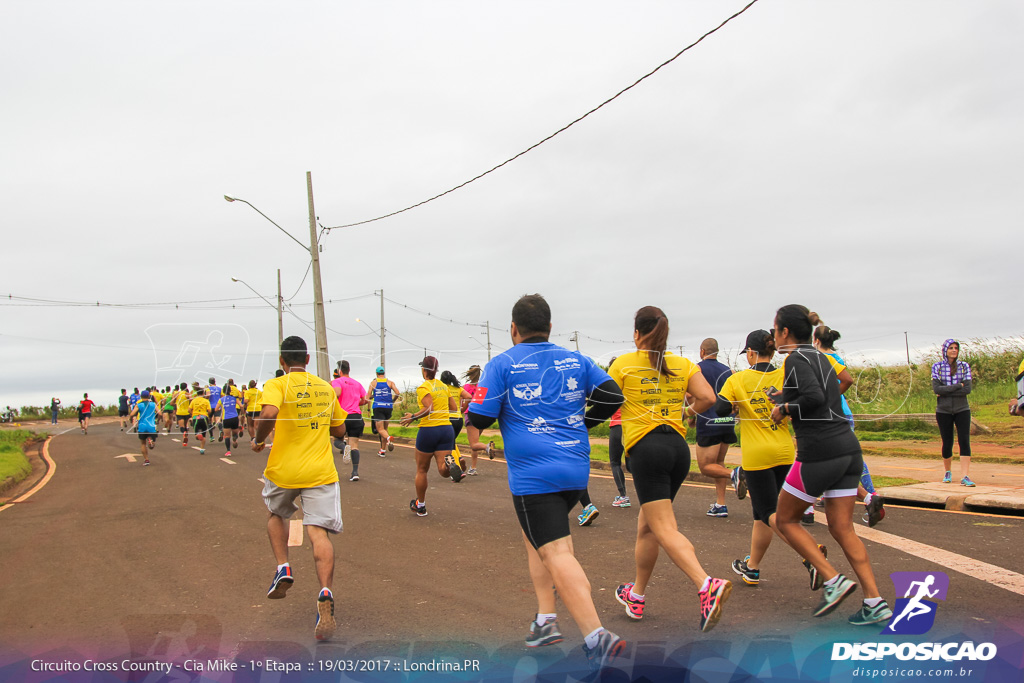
(280, 317)
(320, 324)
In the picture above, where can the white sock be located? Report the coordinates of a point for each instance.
(707, 584)
(634, 595)
(282, 565)
(809, 510)
(591, 638)
(832, 581)
(544, 618)
(872, 602)
(867, 499)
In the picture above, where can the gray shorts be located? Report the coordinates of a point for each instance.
(321, 505)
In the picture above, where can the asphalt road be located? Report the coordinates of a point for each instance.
(172, 560)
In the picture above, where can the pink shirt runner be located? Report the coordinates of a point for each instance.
(351, 392)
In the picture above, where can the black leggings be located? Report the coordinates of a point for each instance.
(962, 422)
(615, 451)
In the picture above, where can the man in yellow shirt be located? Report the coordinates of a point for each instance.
(306, 414)
(199, 409)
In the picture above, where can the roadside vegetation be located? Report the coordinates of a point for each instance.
(13, 463)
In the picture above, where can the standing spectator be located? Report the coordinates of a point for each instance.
(951, 382)
(54, 409)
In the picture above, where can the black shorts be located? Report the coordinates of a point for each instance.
(122, 413)
(231, 423)
(833, 478)
(354, 425)
(147, 435)
(764, 487)
(708, 440)
(457, 426)
(200, 425)
(382, 414)
(659, 463)
(433, 439)
(544, 517)
(169, 410)
(184, 417)
(253, 415)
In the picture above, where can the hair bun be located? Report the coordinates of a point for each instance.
(813, 318)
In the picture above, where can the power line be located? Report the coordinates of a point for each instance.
(560, 130)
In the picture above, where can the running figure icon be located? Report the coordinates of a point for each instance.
(914, 607)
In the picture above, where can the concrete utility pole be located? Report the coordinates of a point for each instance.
(280, 311)
(488, 323)
(322, 359)
(381, 363)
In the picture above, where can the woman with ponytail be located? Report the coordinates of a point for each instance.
(655, 384)
(828, 463)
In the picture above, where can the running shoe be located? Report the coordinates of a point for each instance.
(391, 446)
(717, 510)
(381, 453)
(354, 477)
(347, 455)
(145, 464)
(875, 512)
(490, 450)
(325, 623)
(202, 451)
(228, 454)
(609, 646)
(966, 481)
(471, 471)
(815, 576)
(808, 518)
(751, 577)
(820, 503)
(589, 514)
(419, 508)
(948, 479)
(454, 471)
(871, 615)
(546, 634)
(184, 442)
(621, 502)
(832, 595)
(634, 606)
(739, 482)
(711, 602)
(282, 582)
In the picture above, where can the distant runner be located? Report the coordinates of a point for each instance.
(199, 409)
(123, 409)
(84, 413)
(145, 409)
(350, 398)
(383, 393)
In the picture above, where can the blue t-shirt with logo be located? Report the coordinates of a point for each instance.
(132, 400)
(229, 403)
(382, 396)
(708, 422)
(214, 396)
(538, 392)
(147, 417)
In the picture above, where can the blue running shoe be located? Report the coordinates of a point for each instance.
(282, 582)
(948, 479)
(588, 515)
(609, 646)
(966, 481)
(717, 510)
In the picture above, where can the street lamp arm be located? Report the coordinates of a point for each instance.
(236, 199)
(265, 299)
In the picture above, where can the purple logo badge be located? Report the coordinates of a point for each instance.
(914, 612)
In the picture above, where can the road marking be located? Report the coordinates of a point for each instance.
(230, 462)
(51, 469)
(983, 571)
(295, 532)
(129, 456)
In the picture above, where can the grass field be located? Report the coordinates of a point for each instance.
(13, 462)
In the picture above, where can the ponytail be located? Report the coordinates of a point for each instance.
(652, 325)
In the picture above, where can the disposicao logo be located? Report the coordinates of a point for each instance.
(914, 614)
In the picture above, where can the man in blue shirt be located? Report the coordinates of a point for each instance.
(145, 409)
(539, 391)
(714, 433)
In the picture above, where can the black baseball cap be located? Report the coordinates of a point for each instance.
(757, 341)
(429, 363)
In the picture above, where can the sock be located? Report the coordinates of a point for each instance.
(872, 602)
(833, 580)
(868, 497)
(707, 584)
(635, 596)
(591, 638)
(544, 618)
(280, 566)
(355, 458)
(809, 510)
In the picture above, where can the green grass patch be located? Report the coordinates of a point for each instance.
(893, 481)
(13, 462)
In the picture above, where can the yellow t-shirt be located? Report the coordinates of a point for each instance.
(156, 396)
(764, 443)
(182, 402)
(438, 415)
(252, 400)
(233, 390)
(301, 456)
(199, 406)
(456, 393)
(652, 399)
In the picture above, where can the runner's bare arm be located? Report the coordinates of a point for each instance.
(264, 425)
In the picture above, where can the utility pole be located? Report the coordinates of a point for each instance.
(322, 360)
(381, 363)
(280, 312)
(576, 338)
(488, 323)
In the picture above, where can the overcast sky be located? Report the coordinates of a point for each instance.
(863, 158)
